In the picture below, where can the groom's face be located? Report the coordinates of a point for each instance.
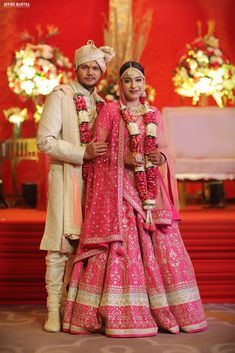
(88, 74)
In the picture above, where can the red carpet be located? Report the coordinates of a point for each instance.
(21, 263)
(209, 236)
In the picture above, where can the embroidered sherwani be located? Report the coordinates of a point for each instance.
(58, 137)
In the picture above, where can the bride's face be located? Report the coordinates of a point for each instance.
(133, 86)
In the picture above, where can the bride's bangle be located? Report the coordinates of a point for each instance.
(163, 159)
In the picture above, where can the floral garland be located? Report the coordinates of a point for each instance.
(145, 176)
(84, 128)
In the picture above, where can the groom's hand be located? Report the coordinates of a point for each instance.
(95, 149)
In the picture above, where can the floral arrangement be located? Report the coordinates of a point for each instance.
(16, 116)
(108, 89)
(85, 119)
(38, 67)
(145, 176)
(38, 112)
(150, 94)
(205, 70)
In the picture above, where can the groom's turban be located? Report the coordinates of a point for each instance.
(90, 52)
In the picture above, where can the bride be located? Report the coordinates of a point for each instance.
(132, 273)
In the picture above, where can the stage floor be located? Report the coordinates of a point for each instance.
(22, 215)
(21, 331)
(190, 213)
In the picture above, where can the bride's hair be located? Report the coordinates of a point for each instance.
(128, 64)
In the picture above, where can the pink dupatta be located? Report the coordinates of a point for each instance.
(109, 182)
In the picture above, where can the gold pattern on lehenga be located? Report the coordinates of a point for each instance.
(162, 217)
(174, 329)
(120, 169)
(72, 293)
(183, 296)
(66, 326)
(174, 298)
(89, 299)
(158, 301)
(99, 240)
(76, 329)
(138, 331)
(124, 299)
(133, 202)
(88, 253)
(194, 327)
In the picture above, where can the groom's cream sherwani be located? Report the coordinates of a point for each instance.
(58, 136)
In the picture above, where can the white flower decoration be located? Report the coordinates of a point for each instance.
(83, 117)
(151, 130)
(133, 128)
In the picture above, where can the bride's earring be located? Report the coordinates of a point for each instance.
(143, 97)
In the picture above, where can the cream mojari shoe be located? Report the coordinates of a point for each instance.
(53, 323)
(55, 262)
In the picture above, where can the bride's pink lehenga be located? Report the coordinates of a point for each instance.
(127, 281)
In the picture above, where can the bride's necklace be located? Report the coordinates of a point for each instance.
(137, 110)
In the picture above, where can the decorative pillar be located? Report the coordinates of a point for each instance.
(127, 32)
(119, 33)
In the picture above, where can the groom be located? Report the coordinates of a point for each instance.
(68, 109)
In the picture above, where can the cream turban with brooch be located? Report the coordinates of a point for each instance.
(90, 52)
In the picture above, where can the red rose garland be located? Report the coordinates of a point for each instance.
(84, 129)
(145, 176)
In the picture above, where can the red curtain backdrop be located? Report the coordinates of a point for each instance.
(77, 21)
(173, 25)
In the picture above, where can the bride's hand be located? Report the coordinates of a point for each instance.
(157, 157)
(134, 159)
